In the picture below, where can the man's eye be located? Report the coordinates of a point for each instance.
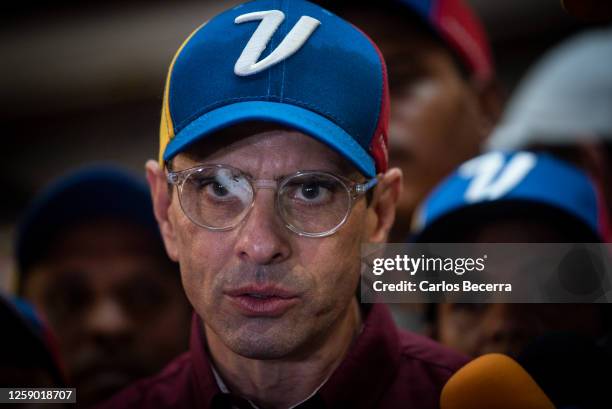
(310, 191)
(216, 189)
(313, 193)
(209, 186)
(68, 296)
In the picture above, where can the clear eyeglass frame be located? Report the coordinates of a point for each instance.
(354, 189)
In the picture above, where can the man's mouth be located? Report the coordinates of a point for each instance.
(262, 301)
(97, 384)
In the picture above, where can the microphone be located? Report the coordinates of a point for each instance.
(493, 381)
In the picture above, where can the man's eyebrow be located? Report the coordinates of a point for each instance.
(335, 171)
(195, 156)
(343, 169)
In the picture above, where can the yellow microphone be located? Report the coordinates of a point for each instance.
(493, 381)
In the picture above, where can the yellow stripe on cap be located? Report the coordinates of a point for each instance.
(166, 127)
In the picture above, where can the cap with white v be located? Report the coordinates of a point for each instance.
(290, 62)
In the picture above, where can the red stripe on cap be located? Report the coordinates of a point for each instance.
(379, 144)
(461, 29)
(603, 218)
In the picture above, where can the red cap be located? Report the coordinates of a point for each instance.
(461, 29)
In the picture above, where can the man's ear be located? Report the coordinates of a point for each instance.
(161, 206)
(383, 205)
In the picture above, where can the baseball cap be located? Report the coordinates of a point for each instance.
(452, 22)
(460, 28)
(565, 97)
(94, 192)
(290, 62)
(522, 179)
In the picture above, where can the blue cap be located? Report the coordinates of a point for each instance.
(501, 177)
(90, 193)
(285, 61)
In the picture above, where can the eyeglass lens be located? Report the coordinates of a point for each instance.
(219, 198)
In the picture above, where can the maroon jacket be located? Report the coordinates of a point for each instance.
(385, 368)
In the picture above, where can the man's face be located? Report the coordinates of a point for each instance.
(436, 122)
(229, 275)
(477, 329)
(115, 302)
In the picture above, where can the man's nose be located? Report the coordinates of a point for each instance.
(107, 320)
(507, 330)
(262, 235)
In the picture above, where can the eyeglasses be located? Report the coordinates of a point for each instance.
(310, 203)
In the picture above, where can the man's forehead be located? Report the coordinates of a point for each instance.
(257, 141)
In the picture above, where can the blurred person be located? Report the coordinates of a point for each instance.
(514, 197)
(445, 99)
(564, 106)
(272, 173)
(91, 260)
(28, 349)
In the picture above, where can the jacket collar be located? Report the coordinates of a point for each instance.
(359, 381)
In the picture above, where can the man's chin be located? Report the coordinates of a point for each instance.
(263, 342)
(263, 350)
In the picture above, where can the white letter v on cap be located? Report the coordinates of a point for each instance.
(247, 64)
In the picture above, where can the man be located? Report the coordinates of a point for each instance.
(444, 96)
(272, 173)
(28, 349)
(522, 197)
(91, 260)
(515, 197)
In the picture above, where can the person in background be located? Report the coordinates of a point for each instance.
(28, 349)
(445, 99)
(512, 197)
(91, 260)
(564, 107)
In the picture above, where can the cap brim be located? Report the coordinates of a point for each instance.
(293, 116)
